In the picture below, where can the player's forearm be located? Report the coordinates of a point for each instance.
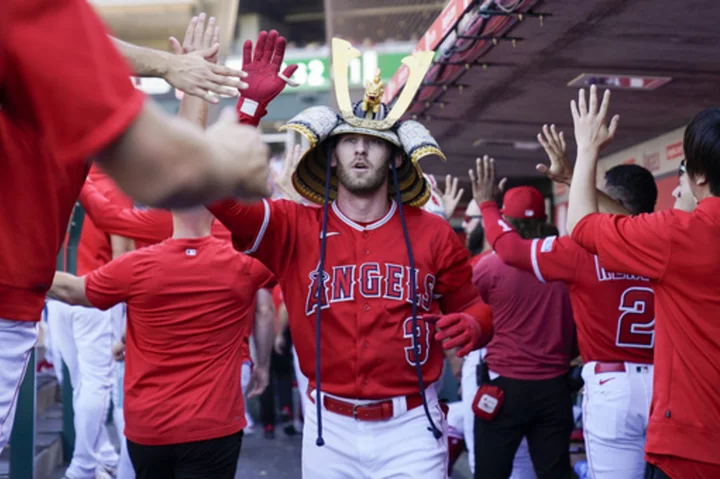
(119, 245)
(145, 62)
(69, 289)
(583, 194)
(263, 333)
(195, 110)
(283, 318)
(167, 163)
(609, 205)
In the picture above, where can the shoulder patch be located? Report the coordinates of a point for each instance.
(547, 244)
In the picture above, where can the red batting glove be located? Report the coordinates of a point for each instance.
(457, 330)
(264, 79)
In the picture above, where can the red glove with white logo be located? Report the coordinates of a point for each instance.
(457, 330)
(264, 79)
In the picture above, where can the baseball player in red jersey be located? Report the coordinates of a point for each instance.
(613, 312)
(350, 281)
(679, 253)
(188, 301)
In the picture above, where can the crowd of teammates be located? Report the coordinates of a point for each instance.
(376, 291)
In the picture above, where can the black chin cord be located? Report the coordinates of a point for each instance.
(320, 281)
(413, 293)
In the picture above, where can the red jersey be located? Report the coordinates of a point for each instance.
(534, 335)
(188, 304)
(679, 252)
(49, 127)
(94, 249)
(614, 312)
(365, 299)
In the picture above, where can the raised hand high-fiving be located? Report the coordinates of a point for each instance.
(265, 81)
(592, 132)
(553, 142)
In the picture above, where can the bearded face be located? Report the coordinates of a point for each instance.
(362, 162)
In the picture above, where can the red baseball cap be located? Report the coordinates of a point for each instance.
(524, 202)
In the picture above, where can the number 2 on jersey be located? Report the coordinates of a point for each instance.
(423, 337)
(636, 325)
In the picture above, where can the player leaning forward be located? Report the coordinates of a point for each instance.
(380, 414)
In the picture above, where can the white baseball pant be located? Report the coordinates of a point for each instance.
(17, 339)
(245, 376)
(302, 383)
(85, 337)
(399, 448)
(616, 409)
(125, 469)
(52, 352)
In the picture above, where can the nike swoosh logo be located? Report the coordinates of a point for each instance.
(603, 381)
(329, 234)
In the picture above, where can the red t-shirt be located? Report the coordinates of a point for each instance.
(366, 307)
(95, 249)
(50, 125)
(533, 323)
(188, 303)
(614, 312)
(680, 253)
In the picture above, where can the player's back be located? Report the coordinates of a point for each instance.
(188, 302)
(533, 323)
(614, 312)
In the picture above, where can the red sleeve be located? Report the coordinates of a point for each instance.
(549, 259)
(452, 283)
(264, 230)
(105, 185)
(262, 278)
(110, 284)
(628, 244)
(64, 76)
(150, 226)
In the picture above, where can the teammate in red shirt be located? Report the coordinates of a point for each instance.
(614, 314)
(363, 289)
(188, 304)
(679, 253)
(50, 127)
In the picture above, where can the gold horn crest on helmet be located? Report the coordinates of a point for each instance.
(343, 53)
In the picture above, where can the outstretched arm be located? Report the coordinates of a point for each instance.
(592, 134)
(150, 226)
(554, 263)
(263, 335)
(560, 170)
(194, 73)
(69, 289)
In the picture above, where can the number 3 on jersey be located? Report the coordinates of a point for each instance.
(636, 325)
(423, 336)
